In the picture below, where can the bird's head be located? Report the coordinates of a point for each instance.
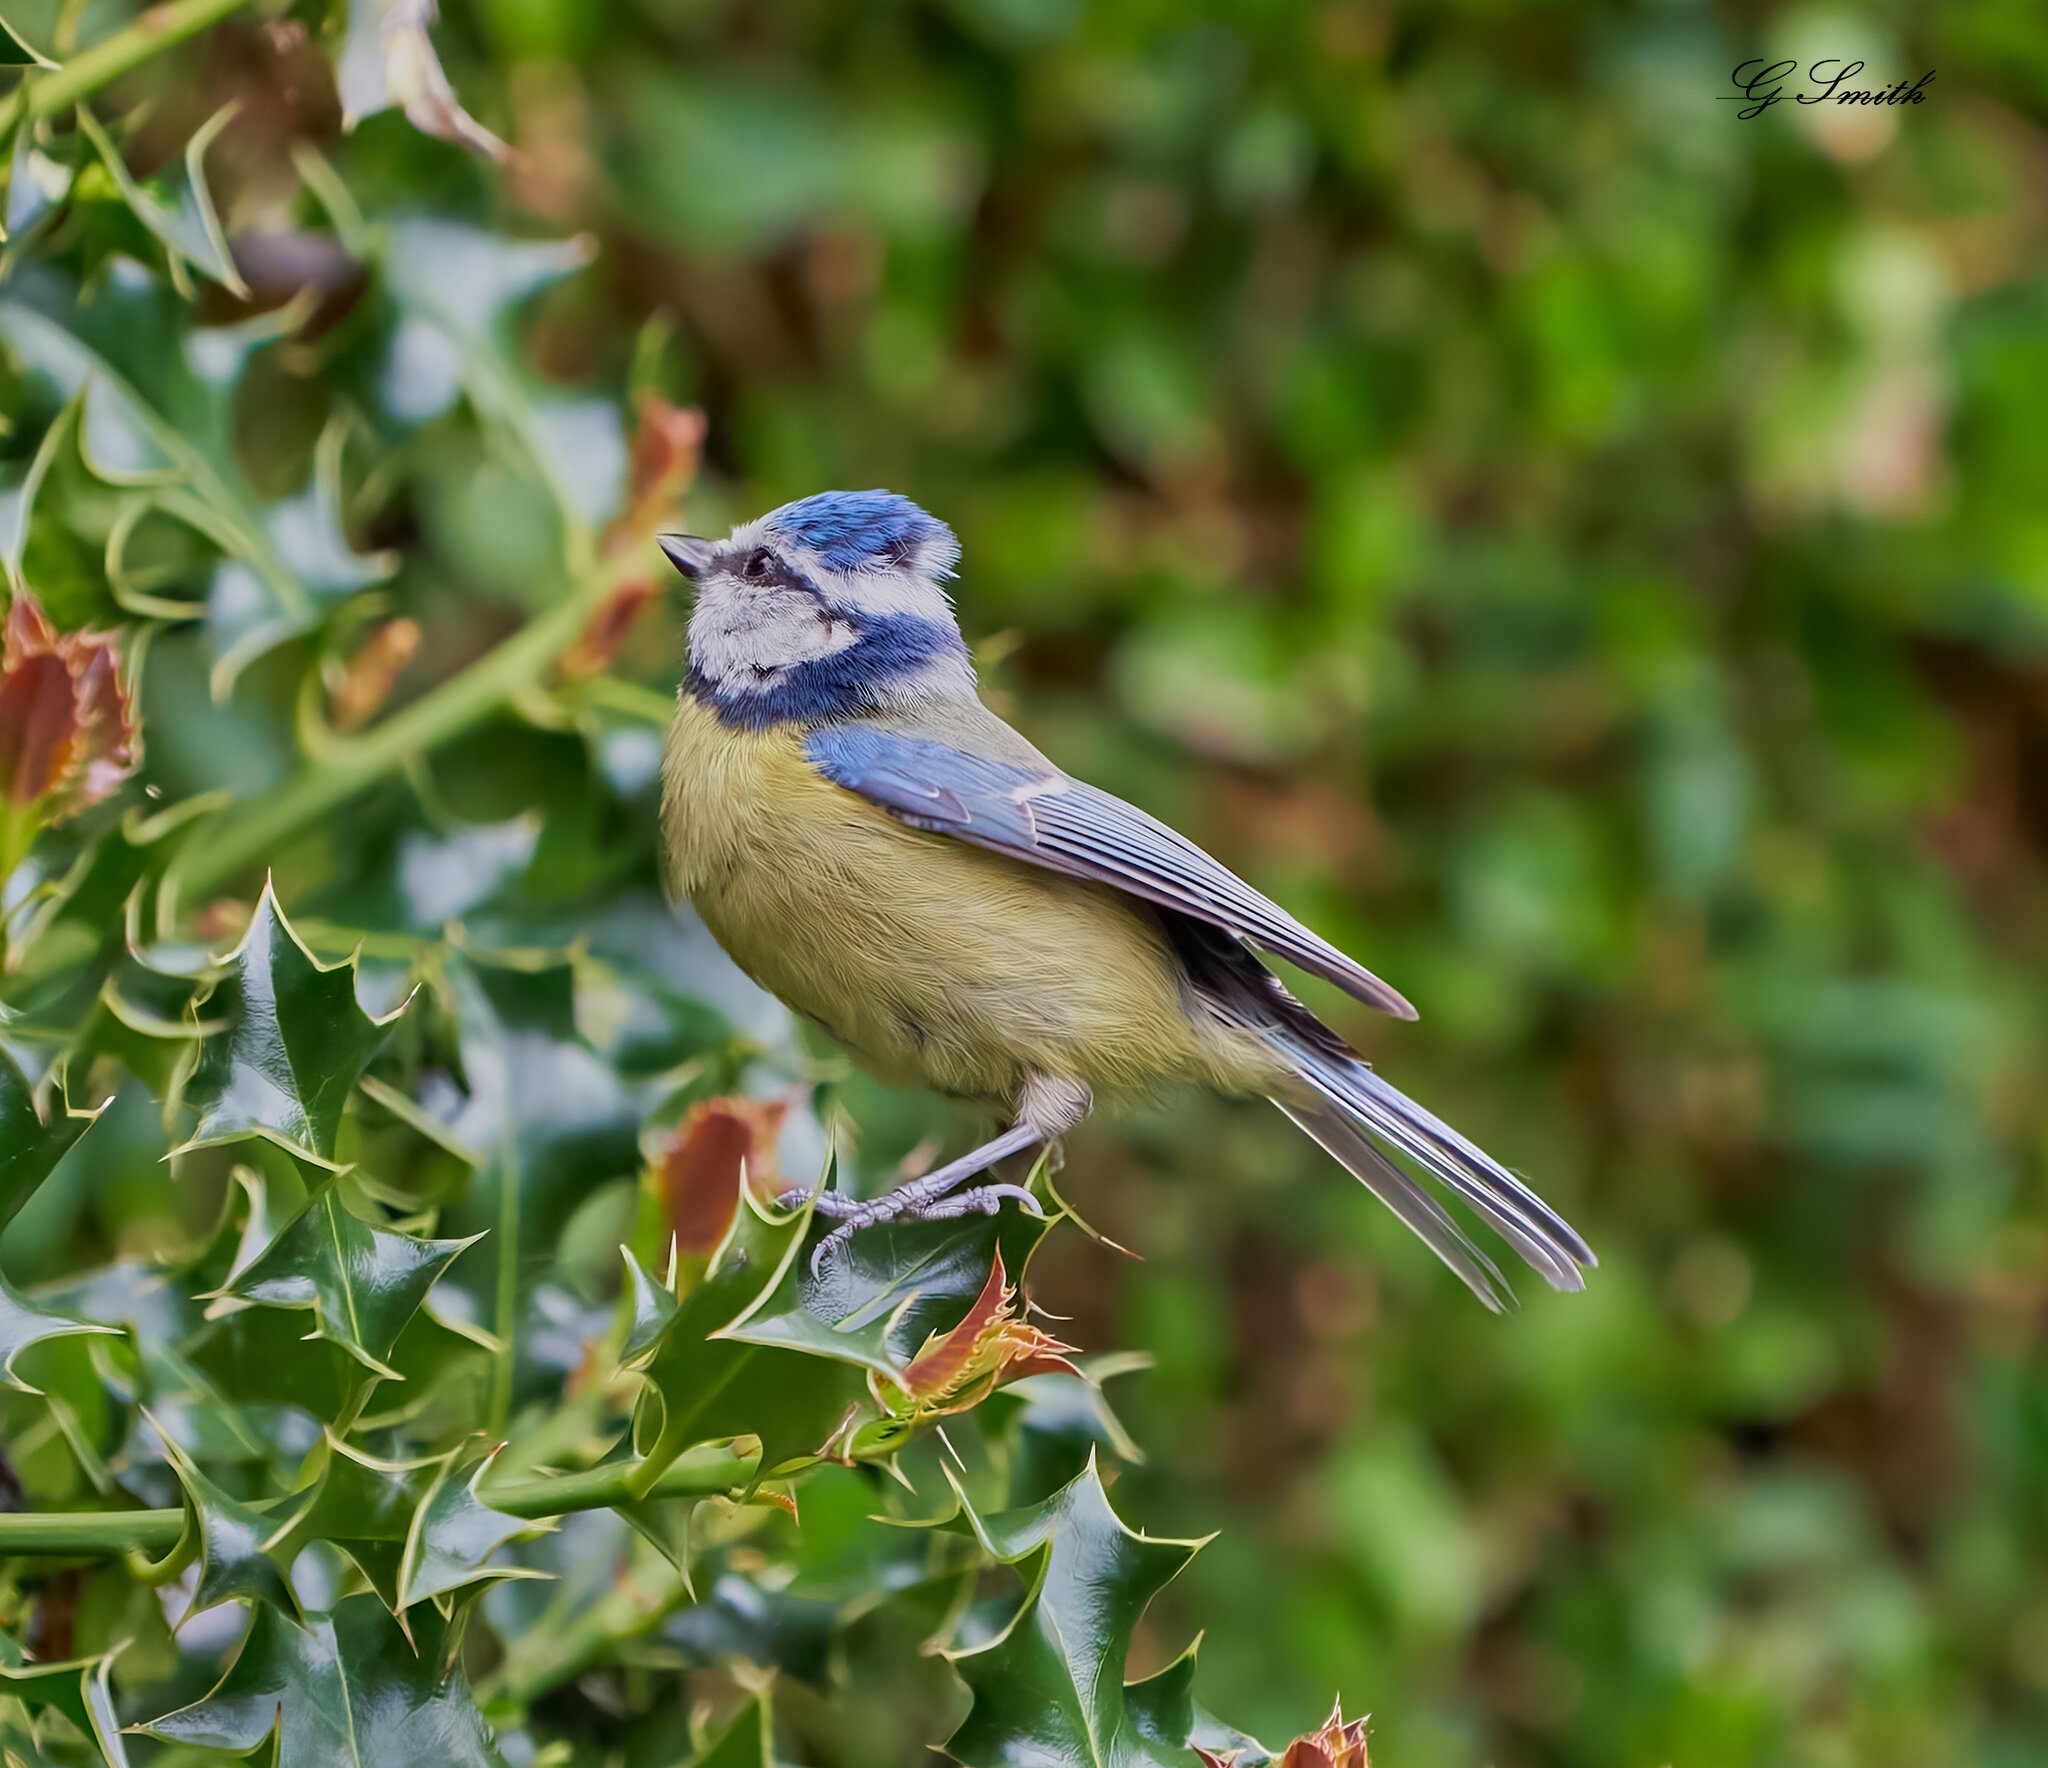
(833, 604)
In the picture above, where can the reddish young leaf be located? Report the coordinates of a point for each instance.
(67, 728)
(668, 444)
(606, 629)
(697, 1173)
(1336, 1745)
(991, 1346)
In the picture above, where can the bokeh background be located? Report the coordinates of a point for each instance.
(1584, 552)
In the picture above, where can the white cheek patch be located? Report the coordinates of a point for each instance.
(745, 639)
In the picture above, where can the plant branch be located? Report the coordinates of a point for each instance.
(158, 29)
(247, 832)
(105, 1534)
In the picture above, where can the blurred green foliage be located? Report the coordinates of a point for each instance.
(1582, 551)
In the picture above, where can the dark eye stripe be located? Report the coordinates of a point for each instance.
(764, 566)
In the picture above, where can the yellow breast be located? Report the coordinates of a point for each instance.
(935, 963)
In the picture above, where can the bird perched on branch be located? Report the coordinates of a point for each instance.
(878, 849)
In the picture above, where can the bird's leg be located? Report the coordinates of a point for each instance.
(1047, 1108)
(925, 1199)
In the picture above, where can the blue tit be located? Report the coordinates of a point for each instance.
(876, 848)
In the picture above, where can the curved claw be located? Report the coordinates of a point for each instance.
(990, 1198)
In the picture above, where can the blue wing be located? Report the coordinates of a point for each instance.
(1031, 811)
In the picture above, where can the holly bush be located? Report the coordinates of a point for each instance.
(452, 1384)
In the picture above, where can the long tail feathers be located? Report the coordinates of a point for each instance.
(1359, 1104)
(1432, 1223)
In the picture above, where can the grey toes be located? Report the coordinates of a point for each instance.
(834, 1206)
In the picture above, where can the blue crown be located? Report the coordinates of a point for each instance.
(857, 530)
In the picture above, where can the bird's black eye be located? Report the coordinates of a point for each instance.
(757, 565)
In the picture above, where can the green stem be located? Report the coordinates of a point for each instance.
(248, 832)
(51, 94)
(104, 1534)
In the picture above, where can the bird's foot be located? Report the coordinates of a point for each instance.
(834, 1206)
(906, 1205)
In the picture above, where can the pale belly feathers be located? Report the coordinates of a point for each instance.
(935, 963)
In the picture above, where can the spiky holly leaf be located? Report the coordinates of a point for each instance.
(238, 1546)
(31, 1141)
(155, 407)
(1049, 1690)
(80, 1689)
(705, 1385)
(363, 1283)
(453, 1533)
(294, 1043)
(263, 1358)
(650, 1306)
(1163, 1709)
(23, 1323)
(366, 1507)
(347, 1687)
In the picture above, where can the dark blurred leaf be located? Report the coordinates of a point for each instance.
(17, 52)
(747, 1742)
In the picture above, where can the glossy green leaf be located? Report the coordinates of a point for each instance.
(453, 1533)
(294, 1044)
(25, 1323)
(32, 1141)
(239, 1547)
(1164, 1712)
(265, 1359)
(366, 1506)
(348, 1687)
(650, 1305)
(703, 1385)
(363, 1283)
(665, 1524)
(81, 1690)
(156, 410)
(1049, 1689)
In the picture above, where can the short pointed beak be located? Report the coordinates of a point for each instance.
(687, 553)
